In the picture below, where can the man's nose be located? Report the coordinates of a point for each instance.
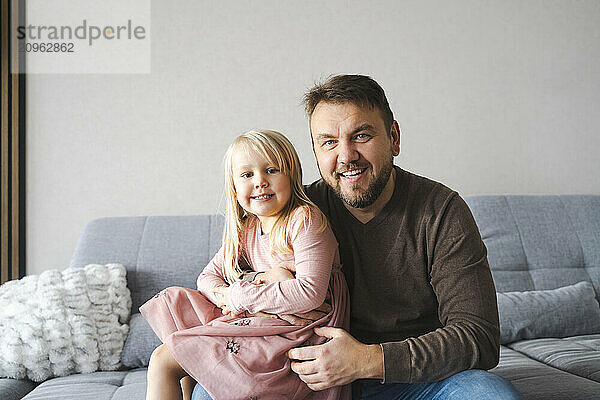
(347, 153)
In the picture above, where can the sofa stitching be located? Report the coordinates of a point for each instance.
(75, 384)
(208, 242)
(112, 396)
(520, 239)
(137, 257)
(551, 366)
(576, 235)
(584, 346)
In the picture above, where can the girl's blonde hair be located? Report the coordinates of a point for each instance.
(276, 148)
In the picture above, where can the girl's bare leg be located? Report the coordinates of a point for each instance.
(187, 387)
(164, 374)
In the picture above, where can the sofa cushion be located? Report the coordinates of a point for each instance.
(579, 355)
(536, 380)
(140, 343)
(567, 311)
(539, 242)
(15, 389)
(157, 252)
(117, 385)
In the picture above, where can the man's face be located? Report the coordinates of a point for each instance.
(354, 151)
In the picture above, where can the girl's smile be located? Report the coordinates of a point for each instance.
(262, 197)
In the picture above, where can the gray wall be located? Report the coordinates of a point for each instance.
(492, 97)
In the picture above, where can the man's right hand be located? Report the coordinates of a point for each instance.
(341, 360)
(283, 273)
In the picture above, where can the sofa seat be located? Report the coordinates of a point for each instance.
(117, 385)
(553, 369)
(578, 355)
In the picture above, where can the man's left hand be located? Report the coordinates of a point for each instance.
(340, 361)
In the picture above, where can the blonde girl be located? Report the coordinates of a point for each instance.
(214, 334)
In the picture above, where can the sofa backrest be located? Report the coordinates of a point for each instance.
(538, 242)
(534, 243)
(157, 252)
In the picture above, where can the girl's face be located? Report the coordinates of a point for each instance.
(261, 189)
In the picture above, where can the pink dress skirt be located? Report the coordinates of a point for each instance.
(241, 358)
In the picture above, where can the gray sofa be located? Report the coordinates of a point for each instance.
(534, 243)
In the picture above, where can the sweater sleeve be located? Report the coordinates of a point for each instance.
(212, 275)
(461, 279)
(314, 254)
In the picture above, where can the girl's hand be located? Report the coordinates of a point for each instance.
(223, 302)
(276, 274)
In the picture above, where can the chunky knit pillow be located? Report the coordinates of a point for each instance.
(61, 323)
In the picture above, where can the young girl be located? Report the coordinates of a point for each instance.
(212, 334)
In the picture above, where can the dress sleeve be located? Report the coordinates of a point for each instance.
(315, 251)
(462, 282)
(212, 275)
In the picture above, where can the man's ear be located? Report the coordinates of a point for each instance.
(395, 134)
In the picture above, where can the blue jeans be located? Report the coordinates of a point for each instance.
(473, 384)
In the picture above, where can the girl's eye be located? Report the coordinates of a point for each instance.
(246, 175)
(272, 170)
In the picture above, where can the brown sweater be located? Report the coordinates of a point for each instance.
(420, 284)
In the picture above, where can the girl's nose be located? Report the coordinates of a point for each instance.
(260, 182)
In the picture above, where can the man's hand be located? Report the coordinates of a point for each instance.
(340, 361)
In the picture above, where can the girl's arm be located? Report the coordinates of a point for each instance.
(212, 276)
(315, 252)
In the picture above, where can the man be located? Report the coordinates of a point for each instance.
(424, 320)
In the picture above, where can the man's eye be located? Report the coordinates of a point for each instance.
(362, 137)
(272, 170)
(328, 143)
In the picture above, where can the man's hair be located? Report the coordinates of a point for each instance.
(359, 90)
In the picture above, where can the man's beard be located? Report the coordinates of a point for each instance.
(370, 194)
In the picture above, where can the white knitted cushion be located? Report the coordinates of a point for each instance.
(62, 323)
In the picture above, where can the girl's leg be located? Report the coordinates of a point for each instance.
(164, 374)
(187, 387)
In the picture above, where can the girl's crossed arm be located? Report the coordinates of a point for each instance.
(212, 276)
(315, 252)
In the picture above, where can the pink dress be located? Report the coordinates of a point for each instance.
(246, 358)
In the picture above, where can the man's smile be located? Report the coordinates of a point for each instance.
(352, 175)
